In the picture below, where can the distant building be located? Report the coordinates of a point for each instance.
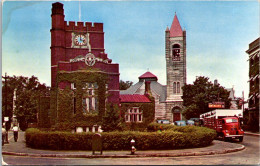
(138, 108)
(253, 107)
(233, 102)
(157, 90)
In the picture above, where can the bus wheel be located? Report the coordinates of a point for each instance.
(241, 139)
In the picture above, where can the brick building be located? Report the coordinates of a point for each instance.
(78, 60)
(80, 45)
(157, 90)
(253, 107)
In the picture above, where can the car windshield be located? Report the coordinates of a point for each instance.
(231, 120)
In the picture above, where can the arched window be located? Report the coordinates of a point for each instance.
(174, 87)
(178, 87)
(176, 52)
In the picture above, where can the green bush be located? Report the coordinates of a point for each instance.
(172, 138)
(158, 126)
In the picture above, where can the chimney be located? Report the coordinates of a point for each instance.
(147, 87)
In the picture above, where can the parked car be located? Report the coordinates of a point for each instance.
(180, 123)
(190, 122)
(163, 121)
(196, 121)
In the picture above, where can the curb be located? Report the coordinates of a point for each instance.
(126, 156)
(253, 134)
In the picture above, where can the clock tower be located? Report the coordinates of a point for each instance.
(175, 54)
(80, 45)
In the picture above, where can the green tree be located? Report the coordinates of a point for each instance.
(198, 95)
(111, 120)
(28, 91)
(123, 85)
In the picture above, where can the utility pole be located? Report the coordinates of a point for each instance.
(5, 77)
(6, 112)
(243, 108)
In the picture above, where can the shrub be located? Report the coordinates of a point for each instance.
(111, 120)
(186, 137)
(158, 126)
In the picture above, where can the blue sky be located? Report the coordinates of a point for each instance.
(218, 34)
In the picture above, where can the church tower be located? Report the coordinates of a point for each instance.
(175, 54)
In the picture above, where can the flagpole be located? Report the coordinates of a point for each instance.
(79, 11)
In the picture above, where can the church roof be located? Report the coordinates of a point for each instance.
(134, 98)
(138, 88)
(148, 75)
(175, 28)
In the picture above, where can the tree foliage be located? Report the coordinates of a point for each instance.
(198, 95)
(123, 85)
(111, 120)
(28, 91)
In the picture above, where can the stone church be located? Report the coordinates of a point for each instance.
(168, 98)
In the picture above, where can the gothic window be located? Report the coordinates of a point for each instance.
(176, 52)
(89, 102)
(134, 115)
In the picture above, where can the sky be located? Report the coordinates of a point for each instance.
(218, 34)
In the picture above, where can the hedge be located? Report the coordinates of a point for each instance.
(186, 137)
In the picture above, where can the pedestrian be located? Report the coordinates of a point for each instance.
(3, 135)
(3, 142)
(15, 129)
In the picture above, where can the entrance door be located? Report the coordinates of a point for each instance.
(176, 116)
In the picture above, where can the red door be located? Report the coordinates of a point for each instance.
(176, 116)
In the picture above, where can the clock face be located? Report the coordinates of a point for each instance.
(80, 40)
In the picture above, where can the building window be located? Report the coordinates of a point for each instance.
(74, 105)
(89, 102)
(73, 85)
(176, 88)
(176, 52)
(134, 115)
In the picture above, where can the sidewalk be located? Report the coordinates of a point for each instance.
(251, 133)
(19, 149)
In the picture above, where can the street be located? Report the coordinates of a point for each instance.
(248, 156)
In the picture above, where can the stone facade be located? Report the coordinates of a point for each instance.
(175, 54)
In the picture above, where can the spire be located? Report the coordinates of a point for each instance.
(167, 29)
(175, 28)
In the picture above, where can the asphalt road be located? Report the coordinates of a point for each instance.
(248, 156)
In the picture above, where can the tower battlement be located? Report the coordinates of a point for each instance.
(57, 8)
(83, 26)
